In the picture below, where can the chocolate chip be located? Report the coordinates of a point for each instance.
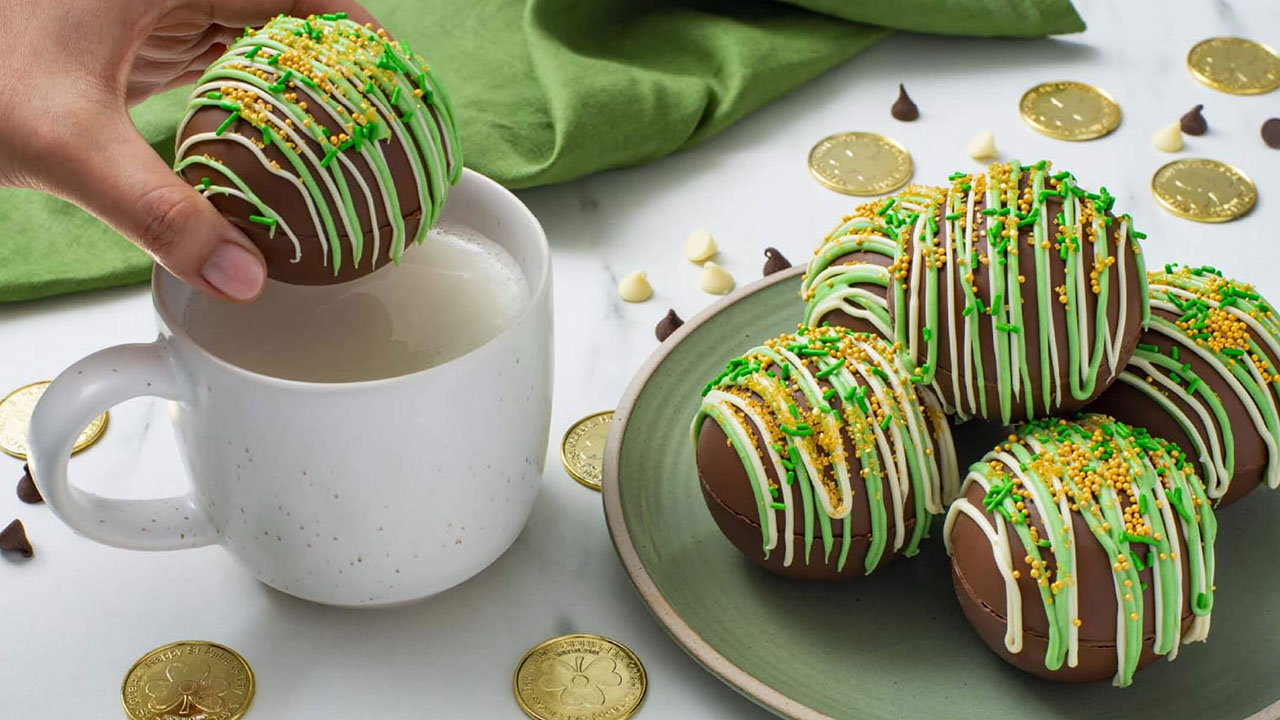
(667, 325)
(14, 538)
(27, 490)
(774, 261)
(1193, 122)
(1271, 132)
(903, 109)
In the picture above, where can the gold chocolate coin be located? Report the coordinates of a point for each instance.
(582, 450)
(1235, 65)
(15, 413)
(860, 163)
(1068, 110)
(580, 677)
(189, 679)
(1204, 190)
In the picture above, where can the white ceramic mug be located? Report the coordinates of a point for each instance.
(357, 494)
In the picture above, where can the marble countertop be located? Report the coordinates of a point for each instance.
(76, 617)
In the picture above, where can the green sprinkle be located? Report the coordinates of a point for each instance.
(227, 123)
(205, 183)
(1202, 601)
(800, 430)
(329, 156)
(954, 216)
(887, 206)
(884, 424)
(777, 506)
(830, 369)
(261, 220)
(213, 95)
(1148, 348)
(395, 96)
(928, 334)
(1006, 327)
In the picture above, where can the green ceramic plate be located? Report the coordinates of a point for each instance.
(893, 645)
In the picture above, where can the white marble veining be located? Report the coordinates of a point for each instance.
(77, 615)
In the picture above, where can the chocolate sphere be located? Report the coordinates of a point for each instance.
(1204, 376)
(330, 145)
(1014, 294)
(1082, 550)
(818, 458)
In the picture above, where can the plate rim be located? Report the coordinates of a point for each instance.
(685, 636)
(671, 621)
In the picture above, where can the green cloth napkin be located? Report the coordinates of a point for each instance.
(550, 90)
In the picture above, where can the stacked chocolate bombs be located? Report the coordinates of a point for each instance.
(1082, 546)
(330, 144)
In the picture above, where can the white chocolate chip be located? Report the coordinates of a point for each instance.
(635, 287)
(700, 246)
(983, 146)
(715, 279)
(1168, 139)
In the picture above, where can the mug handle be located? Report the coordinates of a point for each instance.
(78, 395)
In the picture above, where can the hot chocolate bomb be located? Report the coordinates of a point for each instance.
(1205, 377)
(329, 144)
(1084, 549)
(1014, 294)
(818, 458)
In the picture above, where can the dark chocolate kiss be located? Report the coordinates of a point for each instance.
(1193, 122)
(667, 325)
(774, 261)
(1271, 132)
(14, 538)
(27, 490)
(903, 108)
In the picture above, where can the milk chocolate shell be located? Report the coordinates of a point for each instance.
(1014, 294)
(329, 144)
(1082, 550)
(1204, 376)
(818, 458)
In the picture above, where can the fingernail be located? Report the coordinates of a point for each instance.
(234, 271)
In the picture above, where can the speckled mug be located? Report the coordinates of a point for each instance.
(356, 494)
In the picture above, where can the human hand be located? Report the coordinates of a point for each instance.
(70, 69)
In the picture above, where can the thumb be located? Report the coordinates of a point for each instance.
(122, 180)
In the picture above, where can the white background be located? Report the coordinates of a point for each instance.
(74, 618)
